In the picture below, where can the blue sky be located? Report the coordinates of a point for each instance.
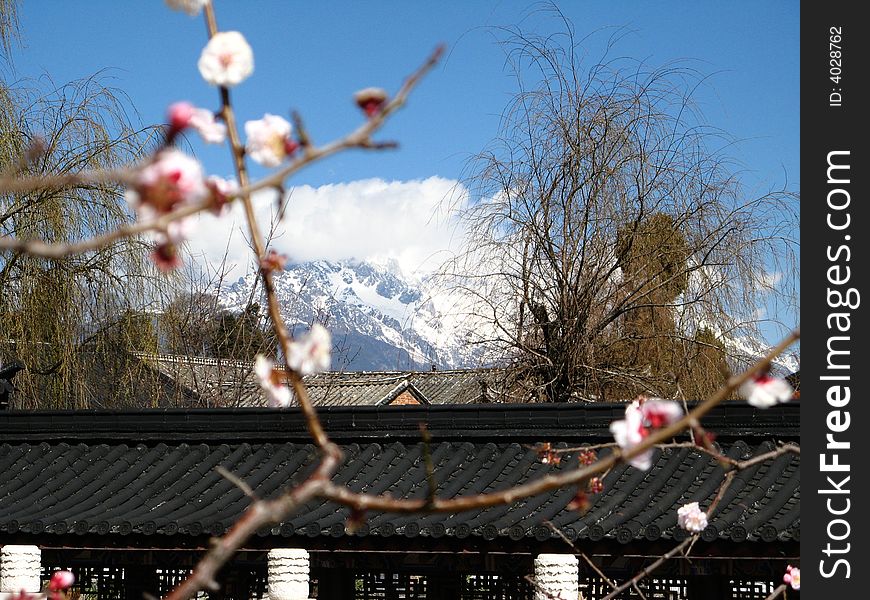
(312, 56)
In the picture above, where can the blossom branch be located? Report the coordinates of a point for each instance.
(735, 467)
(542, 590)
(649, 569)
(236, 481)
(547, 483)
(259, 247)
(779, 591)
(580, 553)
(258, 514)
(739, 465)
(266, 512)
(263, 512)
(60, 250)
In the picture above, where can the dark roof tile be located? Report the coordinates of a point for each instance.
(122, 487)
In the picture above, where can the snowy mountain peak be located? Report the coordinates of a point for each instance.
(383, 319)
(380, 318)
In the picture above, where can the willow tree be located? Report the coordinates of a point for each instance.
(68, 321)
(612, 249)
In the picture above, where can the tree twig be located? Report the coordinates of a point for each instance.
(652, 567)
(581, 554)
(236, 481)
(779, 591)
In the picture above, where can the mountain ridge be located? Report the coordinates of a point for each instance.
(380, 318)
(383, 319)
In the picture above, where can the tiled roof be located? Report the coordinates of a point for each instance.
(89, 478)
(216, 382)
(436, 387)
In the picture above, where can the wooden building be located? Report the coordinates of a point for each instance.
(128, 501)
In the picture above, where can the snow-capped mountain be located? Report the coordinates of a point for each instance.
(748, 350)
(380, 318)
(383, 319)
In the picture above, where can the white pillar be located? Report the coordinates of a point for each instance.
(20, 568)
(288, 574)
(556, 576)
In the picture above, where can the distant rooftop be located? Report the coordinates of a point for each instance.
(226, 382)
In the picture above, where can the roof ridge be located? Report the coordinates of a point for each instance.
(459, 421)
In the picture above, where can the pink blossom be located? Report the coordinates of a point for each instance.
(273, 261)
(191, 7)
(691, 518)
(765, 390)
(371, 100)
(312, 352)
(180, 114)
(61, 580)
(273, 382)
(792, 577)
(659, 413)
(269, 141)
(226, 60)
(184, 114)
(641, 416)
(165, 256)
(170, 180)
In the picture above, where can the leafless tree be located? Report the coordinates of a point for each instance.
(612, 247)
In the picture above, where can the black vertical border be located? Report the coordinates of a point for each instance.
(827, 127)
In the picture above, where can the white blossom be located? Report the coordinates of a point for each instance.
(184, 114)
(211, 130)
(268, 140)
(641, 416)
(629, 432)
(277, 391)
(691, 518)
(312, 352)
(764, 391)
(226, 60)
(191, 7)
(180, 230)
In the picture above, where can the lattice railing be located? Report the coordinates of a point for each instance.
(389, 586)
(93, 583)
(750, 589)
(495, 587)
(668, 588)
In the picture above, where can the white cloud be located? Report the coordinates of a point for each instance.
(410, 221)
